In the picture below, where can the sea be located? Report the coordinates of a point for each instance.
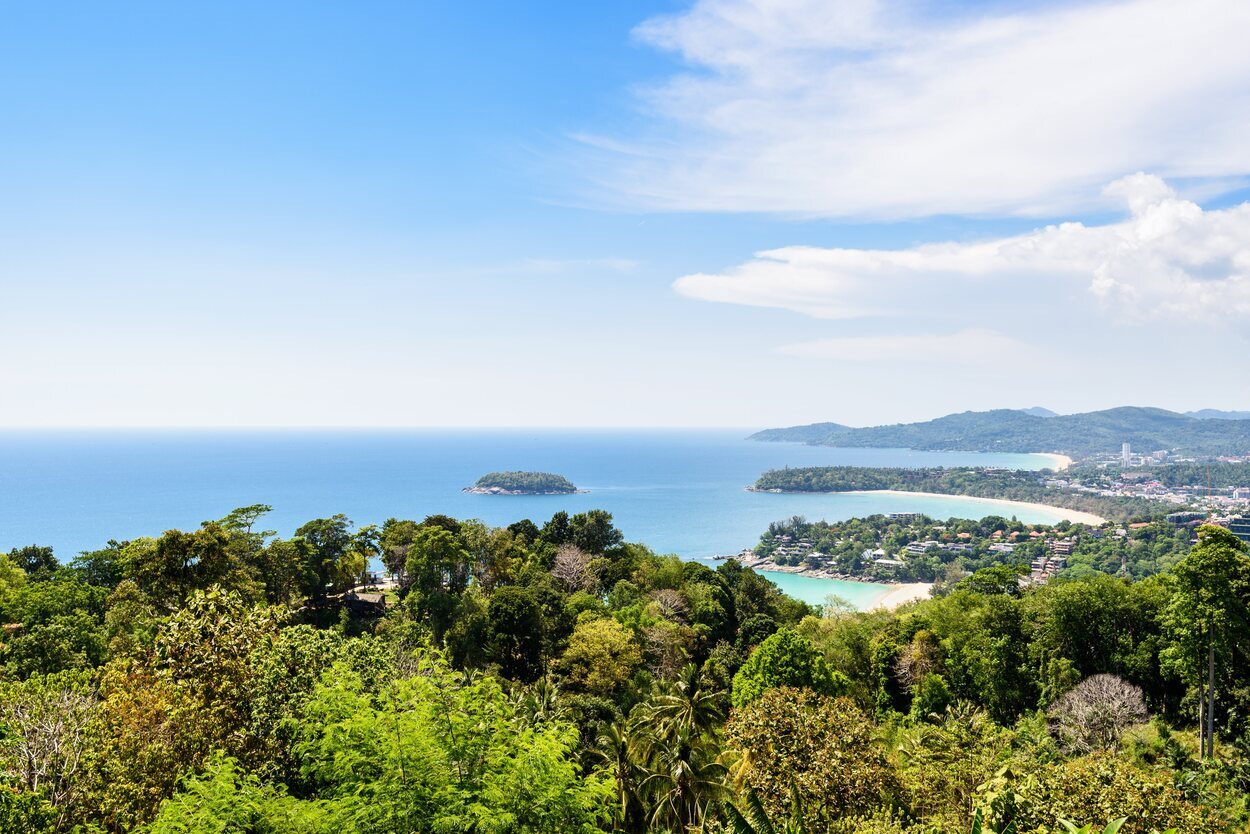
(679, 491)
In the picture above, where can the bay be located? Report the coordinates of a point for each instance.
(678, 491)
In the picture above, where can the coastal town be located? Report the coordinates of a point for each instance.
(1217, 485)
(1153, 505)
(912, 547)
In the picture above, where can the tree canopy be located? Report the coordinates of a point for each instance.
(553, 677)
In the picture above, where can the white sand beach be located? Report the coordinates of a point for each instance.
(1075, 516)
(899, 594)
(1058, 462)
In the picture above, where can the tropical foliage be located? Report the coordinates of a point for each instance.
(556, 678)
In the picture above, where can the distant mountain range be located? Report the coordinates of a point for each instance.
(1206, 432)
(1216, 414)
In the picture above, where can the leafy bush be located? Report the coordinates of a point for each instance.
(786, 659)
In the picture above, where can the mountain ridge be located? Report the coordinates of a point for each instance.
(1014, 430)
(1218, 414)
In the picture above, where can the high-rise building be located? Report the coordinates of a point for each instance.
(1240, 527)
(1126, 454)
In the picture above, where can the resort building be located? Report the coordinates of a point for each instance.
(1240, 527)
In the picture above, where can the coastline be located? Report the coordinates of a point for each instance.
(893, 594)
(904, 592)
(1061, 462)
(1075, 516)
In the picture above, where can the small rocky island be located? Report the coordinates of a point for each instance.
(523, 483)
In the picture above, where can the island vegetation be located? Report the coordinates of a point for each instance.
(978, 482)
(523, 483)
(910, 547)
(556, 678)
(1011, 430)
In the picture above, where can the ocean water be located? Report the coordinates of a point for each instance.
(679, 491)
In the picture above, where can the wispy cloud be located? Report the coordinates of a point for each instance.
(862, 109)
(1169, 259)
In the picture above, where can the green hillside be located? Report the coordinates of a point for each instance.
(979, 483)
(1009, 430)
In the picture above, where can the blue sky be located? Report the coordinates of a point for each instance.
(549, 214)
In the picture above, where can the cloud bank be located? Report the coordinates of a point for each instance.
(1169, 259)
(864, 108)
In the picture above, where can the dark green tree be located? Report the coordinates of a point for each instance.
(328, 542)
(1208, 618)
(38, 562)
(515, 629)
(102, 567)
(594, 532)
(438, 572)
(558, 530)
(785, 659)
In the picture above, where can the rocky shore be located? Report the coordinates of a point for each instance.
(494, 490)
(750, 560)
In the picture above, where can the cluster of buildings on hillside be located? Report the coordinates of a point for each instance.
(787, 550)
(1238, 525)
(1142, 485)
(1130, 482)
(1127, 458)
(1049, 564)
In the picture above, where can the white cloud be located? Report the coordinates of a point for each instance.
(861, 109)
(1169, 259)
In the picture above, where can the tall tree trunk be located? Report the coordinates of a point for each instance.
(1211, 692)
(1202, 717)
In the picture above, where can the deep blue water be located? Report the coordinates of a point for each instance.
(679, 491)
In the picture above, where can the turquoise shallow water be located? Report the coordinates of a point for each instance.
(679, 491)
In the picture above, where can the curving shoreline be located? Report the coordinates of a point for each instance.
(1075, 516)
(1061, 461)
(904, 592)
(893, 594)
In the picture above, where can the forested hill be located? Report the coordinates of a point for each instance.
(816, 433)
(1010, 430)
(524, 483)
(978, 483)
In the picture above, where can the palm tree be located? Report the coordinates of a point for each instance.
(686, 705)
(685, 776)
(538, 703)
(667, 757)
(616, 747)
(754, 819)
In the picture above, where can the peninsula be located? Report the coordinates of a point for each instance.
(997, 484)
(522, 483)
